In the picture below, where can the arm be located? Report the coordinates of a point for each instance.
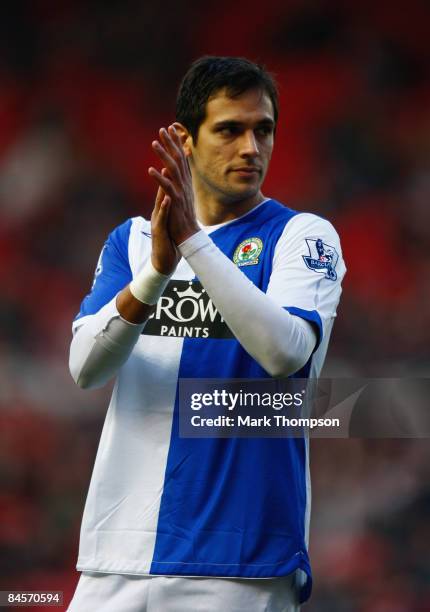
(281, 343)
(101, 345)
(106, 334)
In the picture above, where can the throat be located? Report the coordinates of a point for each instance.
(216, 212)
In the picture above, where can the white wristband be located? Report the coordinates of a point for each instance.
(149, 284)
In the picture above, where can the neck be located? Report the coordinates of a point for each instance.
(211, 210)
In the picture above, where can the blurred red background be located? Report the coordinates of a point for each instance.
(84, 88)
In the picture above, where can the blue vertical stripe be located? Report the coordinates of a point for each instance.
(233, 507)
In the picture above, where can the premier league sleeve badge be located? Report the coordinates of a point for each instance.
(322, 258)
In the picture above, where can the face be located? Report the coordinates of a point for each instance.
(234, 146)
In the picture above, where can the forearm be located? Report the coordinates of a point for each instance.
(105, 340)
(279, 341)
(101, 346)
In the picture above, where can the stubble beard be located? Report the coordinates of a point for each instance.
(226, 193)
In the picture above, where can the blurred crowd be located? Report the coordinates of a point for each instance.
(84, 88)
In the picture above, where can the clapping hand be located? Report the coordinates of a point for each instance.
(176, 184)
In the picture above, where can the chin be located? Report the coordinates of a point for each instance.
(247, 191)
(238, 196)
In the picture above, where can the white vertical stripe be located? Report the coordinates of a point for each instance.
(119, 525)
(121, 515)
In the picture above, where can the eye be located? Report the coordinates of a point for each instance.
(228, 130)
(264, 130)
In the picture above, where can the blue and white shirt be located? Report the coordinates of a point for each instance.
(159, 504)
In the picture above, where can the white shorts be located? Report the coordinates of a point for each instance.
(97, 592)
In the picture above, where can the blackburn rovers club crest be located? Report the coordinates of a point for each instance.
(248, 252)
(322, 258)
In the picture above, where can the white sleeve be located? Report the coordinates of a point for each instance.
(308, 269)
(101, 344)
(281, 342)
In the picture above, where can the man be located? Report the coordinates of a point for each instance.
(179, 524)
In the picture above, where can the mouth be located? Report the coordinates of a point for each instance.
(247, 170)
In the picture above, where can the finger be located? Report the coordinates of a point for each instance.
(176, 138)
(163, 212)
(159, 198)
(169, 161)
(160, 215)
(169, 140)
(165, 205)
(165, 173)
(172, 143)
(164, 182)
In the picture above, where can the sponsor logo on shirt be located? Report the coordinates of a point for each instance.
(248, 252)
(322, 258)
(186, 311)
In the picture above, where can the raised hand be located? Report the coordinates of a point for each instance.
(175, 181)
(164, 255)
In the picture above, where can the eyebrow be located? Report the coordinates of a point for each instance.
(234, 123)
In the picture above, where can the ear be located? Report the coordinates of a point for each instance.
(185, 137)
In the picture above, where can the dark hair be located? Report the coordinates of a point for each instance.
(209, 74)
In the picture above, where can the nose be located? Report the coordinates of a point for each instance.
(249, 144)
